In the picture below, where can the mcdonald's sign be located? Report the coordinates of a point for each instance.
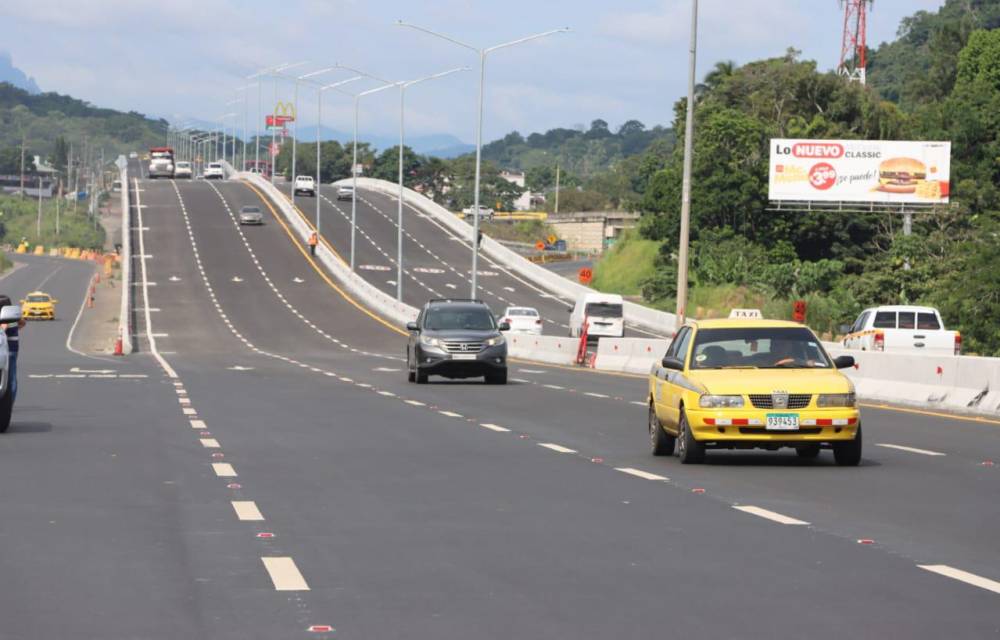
(284, 112)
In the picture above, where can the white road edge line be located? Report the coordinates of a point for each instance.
(923, 452)
(639, 473)
(284, 574)
(145, 287)
(247, 510)
(962, 576)
(769, 515)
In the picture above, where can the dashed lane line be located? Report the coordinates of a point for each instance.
(450, 414)
(556, 447)
(899, 447)
(962, 576)
(284, 574)
(769, 515)
(209, 443)
(247, 510)
(494, 427)
(639, 473)
(224, 470)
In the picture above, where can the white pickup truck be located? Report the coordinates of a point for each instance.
(903, 328)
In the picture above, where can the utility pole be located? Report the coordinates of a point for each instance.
(24, 140)
(682, 252)
(38, 225)
(557, 189)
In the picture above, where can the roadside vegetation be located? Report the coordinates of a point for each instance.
(531, 231)
(19, 218)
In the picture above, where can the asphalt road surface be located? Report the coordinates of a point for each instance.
(269, 469)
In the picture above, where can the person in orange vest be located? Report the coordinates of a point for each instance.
(313, 241)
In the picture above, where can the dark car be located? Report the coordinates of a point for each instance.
(456, 339)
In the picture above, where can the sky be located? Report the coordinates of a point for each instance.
(621, 60)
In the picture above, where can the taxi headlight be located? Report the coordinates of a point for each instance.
(720, 402)
(428, 341)
(494, 341)
(837, 400)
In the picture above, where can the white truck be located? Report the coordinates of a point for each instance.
(161, 162)
(903, 328)
(603, 314)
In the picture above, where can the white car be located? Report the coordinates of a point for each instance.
(305, 185)
(523, 320)
(484, 212)
(903, 328)
(603, 312)
(345, 192)
(183, 170)
(214, 170)
(133, 155)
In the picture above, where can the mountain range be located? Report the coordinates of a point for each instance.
(13, 75)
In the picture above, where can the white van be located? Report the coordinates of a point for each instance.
(603, 312)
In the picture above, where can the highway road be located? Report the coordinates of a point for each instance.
(269, 469)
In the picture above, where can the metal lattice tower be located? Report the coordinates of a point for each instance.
(853, 48)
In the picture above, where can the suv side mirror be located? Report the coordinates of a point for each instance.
(504, 326)
(671, 362)
(412, 326)
(843, 362)
(10, 314)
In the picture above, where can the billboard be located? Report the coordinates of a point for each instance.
(860, 171)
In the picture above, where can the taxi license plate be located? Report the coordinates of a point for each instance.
(782, 422)
(463, 356)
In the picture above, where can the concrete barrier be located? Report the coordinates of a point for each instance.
(375, 299)
(613, 354)
(569, 291)
(550, 349)
(644, 353)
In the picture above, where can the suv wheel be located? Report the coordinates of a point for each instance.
(661, 443)
(497, 377)
(420, 376)
(848, 454)
(689, 450)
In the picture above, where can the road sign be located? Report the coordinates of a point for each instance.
(585, 275)
(540, 245)
(552, 239)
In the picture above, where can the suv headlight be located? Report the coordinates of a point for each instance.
(837, 400)
(494, 341)
(428, 341)
(720, 402)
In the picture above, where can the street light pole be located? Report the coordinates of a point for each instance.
(682, 251)
(274, 73)
(319, 126)
(403, 86)
(479, 125)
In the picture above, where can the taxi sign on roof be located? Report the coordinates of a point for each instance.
(746, 314)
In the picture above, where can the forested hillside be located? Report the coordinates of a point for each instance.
(841, 263)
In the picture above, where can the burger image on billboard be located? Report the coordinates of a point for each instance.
(901, 175)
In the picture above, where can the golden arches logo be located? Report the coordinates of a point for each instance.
(285, 111)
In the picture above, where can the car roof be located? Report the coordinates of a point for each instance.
(902, 307)
(602, 297)
(457, 303)
(734, 323)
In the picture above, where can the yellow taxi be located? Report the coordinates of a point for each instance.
(38, 306)
(744, 384)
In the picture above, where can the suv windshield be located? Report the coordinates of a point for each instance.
(604, 310)
(467, 318)
(763, 348)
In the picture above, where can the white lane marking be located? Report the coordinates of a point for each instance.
(188, 411)
(133, 375)
(641, 404)
(923, 452)
(595, 395)
(639, 473)
(494, 427)
(79, 314)
(210, 443)
(529, 371)
(239, 367)
(450, 414)
(387, 393)
(769, 515)
(521, 380)
(555, 447)
(416, 403)
(145, 290)
(247, 510)
(198, 424)
(224, 469)
(284, 574)
(184, 400)
(387, 369)
(552, 386)
(962, 576)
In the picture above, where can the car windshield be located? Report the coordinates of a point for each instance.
(215, 166)
(760, 348)
(522, 312)
(470, 319)
(183, 165)
(604, 310)
(38, 298)
(250, 210)
(160, 154)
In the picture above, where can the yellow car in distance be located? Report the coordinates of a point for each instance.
(745, 384)
(38, 306)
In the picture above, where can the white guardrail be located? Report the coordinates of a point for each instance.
(376, 300)
(636, 314)
(125, 313)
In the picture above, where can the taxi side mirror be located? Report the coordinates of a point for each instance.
(843, 362)
(672, 362)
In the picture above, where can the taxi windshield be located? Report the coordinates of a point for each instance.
(38, 298)
(758, 348)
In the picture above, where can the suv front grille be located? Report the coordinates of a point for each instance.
(766, 401)
(462, 347)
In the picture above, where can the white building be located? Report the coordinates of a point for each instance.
(524, 202)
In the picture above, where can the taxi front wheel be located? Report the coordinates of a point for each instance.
(848, 453)
(661, 443)
(689, 450)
